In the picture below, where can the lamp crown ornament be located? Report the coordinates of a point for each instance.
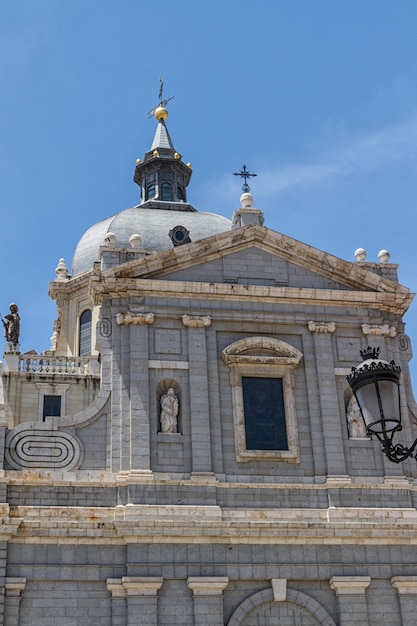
(370, 353)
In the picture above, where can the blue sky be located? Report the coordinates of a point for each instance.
(318, 97)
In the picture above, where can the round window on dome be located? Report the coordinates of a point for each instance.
(179, 235)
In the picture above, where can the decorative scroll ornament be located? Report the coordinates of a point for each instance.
(135, 318)
(104, 327)
(34, 445)
(321, 327)
(382, 330)
(196, 321)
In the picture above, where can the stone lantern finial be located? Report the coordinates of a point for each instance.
(61, 271)
(383, 256)
(360, 255)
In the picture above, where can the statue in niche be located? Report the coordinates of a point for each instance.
(355, 421)
(11, 323)
(169, 412)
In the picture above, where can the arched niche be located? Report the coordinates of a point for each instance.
(162, 389)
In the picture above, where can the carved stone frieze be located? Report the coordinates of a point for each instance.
(196, 321)
(134, 318)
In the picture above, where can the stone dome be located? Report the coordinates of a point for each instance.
(151, 224)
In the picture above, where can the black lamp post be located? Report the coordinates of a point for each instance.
(376, 385)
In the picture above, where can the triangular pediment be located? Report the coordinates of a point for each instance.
(256, 255)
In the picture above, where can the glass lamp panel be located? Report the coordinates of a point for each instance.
(371, 406)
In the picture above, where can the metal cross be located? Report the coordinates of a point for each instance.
(162, 102)
(245, 174)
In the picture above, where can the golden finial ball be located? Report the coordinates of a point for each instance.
(161, 113)
(138, 161)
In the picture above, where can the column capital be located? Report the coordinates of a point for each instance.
(142, 585)
(135, 318)
(405, 584)
(321, 327)
(379, 330)
(207, 585)
(350, 585)
(114, 585)
(196, 321)
(14, 586)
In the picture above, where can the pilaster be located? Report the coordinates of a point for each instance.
(199, 400)
(351, 599)
(406, 587)
(329, 405)
(13, 589)
(140, 444)
(142, 600)
(118, 601)
(208, 599)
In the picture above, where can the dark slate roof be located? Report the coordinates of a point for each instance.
(162, 138)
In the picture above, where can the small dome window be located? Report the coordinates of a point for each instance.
(85, 333)
(150, 191)
(166, 192)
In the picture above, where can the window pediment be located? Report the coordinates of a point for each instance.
(261, 350)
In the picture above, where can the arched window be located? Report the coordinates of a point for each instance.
(150, 192)
(180, 193)
(85, 333)
(166, 192)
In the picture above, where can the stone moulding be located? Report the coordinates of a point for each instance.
(39, 446)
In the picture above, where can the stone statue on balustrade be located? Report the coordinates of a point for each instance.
(169, 412)
(11, 323)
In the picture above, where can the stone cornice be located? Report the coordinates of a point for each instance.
(112, 287)
(211, 524)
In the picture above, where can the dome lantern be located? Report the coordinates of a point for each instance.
(162, 175)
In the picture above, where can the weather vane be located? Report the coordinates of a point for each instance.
(162, 102)
(245, 174)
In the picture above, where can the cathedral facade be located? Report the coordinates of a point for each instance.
(189, 451)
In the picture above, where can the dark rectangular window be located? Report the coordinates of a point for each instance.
(51, 406)
(263, 403)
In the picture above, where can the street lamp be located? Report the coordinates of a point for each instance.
(376, 385)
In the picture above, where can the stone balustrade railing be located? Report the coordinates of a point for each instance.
(40, 364)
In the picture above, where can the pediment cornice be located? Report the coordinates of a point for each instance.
(351, 275)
